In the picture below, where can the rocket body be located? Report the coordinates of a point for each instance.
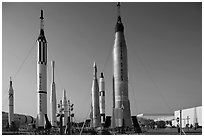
(120, 73)
(53, 102)
(95, 100)
(65, 105)
(41, 77)
(113, 111)
(102, 98)
(11, 105)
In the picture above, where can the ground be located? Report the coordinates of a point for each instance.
(159, 131)
(171, 131)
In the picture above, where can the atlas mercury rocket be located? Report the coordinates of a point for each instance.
(11, 105)
(121, 110)
(96, 121)
(53, 102)
(41, 76)
(102, 98)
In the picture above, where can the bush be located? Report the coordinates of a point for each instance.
(161, 124)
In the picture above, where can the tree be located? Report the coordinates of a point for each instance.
(161, 124)
(146, 122)
(169, 123)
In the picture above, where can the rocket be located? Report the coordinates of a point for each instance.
(65, 105)
(122, 113)
(11, 105)
(113, 110)
(53, 102)
(95, 99)
(41, 75)
(102, 98)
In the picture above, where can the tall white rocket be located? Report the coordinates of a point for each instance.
(102, 98)
(11, 104)
(41, 75)
(53, 102)
(95, 99)
(122, 113)
(65, 105)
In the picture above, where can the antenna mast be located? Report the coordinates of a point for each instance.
(41, 20)
(118, 8)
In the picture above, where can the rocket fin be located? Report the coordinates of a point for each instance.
(47, 123)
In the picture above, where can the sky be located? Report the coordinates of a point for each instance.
(164, 42)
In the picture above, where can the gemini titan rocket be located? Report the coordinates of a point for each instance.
(102, 98)
(53, 102)
(121, 115)
(41, 76)
(96, 121)
(11, 104)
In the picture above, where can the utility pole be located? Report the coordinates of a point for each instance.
(180, 122)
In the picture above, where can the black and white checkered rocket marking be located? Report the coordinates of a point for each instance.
(102, 98)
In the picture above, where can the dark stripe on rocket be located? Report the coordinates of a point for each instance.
(42, 92)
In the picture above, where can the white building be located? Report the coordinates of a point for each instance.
(157, 117)
(189, 116)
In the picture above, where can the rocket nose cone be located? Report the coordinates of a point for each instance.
(64, 93)
(94, 65)
(52, 63)
(94, 70)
